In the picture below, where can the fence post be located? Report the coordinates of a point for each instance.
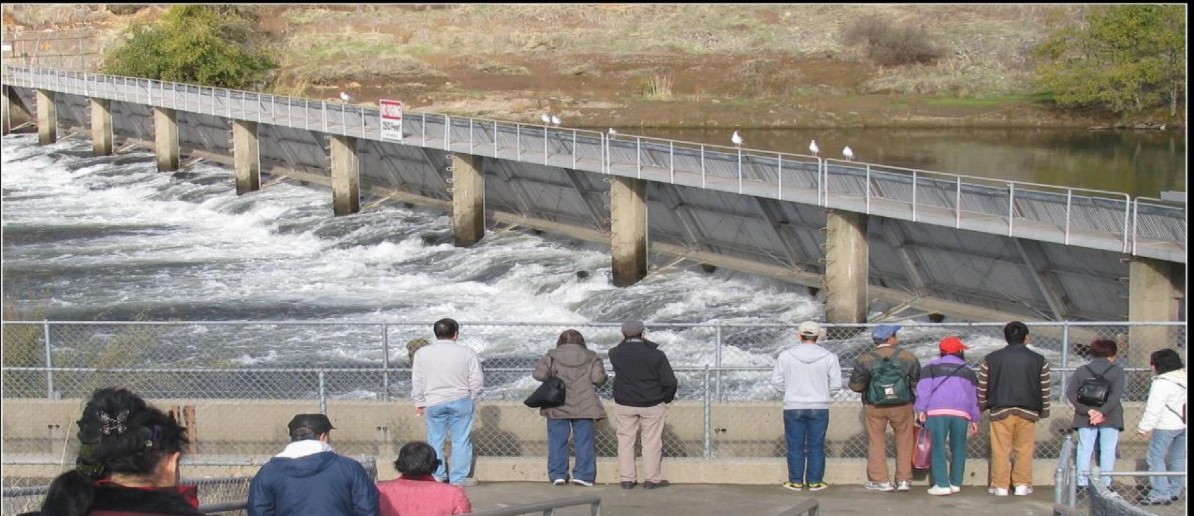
(708, 417)
(323, 394)
(385, 362)
(1065, 356)
(717, 363)
(49, 362)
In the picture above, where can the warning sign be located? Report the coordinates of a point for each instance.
(391, 120)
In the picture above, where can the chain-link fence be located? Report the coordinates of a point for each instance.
(226, 375)
(1126, 494)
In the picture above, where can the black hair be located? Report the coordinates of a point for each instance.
(1015, 332)
(571, 337)
(1103, 348)
(1165, 360)
(416, 458)
(446, 328)
(303, 433)
(118, 434)
(960, 354)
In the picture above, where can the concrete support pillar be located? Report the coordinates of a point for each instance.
(5, 111)
(101, 127)
(247, 162)
(628, 228)
(47, 118)
(846, 267)
(346, 179)
(1154, 291)
(468, 199)
(165, 131)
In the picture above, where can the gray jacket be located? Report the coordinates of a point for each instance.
(582, 370)
(1113, 408)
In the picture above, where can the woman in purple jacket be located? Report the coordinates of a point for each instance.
(947, 405)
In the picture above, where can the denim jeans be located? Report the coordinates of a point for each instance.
(557, 449)
(951, 472)
(805, 430)
(454, 420)
(1108, 438)
(1166, 452)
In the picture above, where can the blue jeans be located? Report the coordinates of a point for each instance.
(557, 449)
(954, 428)
(805, 431)
(452, 419)
(1108, 438)
(1166, 452)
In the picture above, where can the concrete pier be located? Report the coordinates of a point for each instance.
(5, 111)
(165, 137)
(47, 118)
(846, 267)
(246, 156)
(628, 228)
(468, 199)
(1154, 294)
(101, 127)
(346, 176)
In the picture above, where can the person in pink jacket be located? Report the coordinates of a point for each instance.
(416, 492)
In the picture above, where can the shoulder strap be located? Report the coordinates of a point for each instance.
(951, 373)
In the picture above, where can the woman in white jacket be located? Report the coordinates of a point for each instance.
(1165, 418)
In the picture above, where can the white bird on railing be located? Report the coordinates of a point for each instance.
(812, 147)
(612, 133)
(736, 139)
(848, 153)
(344, 96)
(545, 118)
(555, 120)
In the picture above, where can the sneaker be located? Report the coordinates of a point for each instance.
(467, 482)
(795, 486)
(818, 486)
(880, 486)
(1155, 501)
(940, 491)
(580, 482)
(903, 485)
(1023, 490)
(998, 491)
(559, 482)
(954, 489)
(656, 485)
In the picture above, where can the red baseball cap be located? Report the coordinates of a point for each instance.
(952, 345)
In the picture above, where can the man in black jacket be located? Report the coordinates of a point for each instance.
(643, 385)
(1014, 384)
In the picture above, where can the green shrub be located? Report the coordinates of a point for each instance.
(199, 44)
(890, 45)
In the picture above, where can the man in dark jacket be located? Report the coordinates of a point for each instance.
(643, 384)
(308, 477)
(1014, 385)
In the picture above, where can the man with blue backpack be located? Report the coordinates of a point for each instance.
(886, 376)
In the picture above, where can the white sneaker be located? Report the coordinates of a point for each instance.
(939, 491)
(879, 486)
(954, 489)
(1023, 490)
(558, 482)
(903, 485)
(997, 491)
(580, 482)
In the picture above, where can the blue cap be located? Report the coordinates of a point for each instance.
(883, 332)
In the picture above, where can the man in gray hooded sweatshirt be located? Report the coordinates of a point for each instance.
(809, 375)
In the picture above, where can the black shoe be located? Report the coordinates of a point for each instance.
(1154, 501)
(629, 485)
(656, 485)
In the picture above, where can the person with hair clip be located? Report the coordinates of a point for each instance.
(581, 370)
(416, 492)
(127, 463)
(1101, 423)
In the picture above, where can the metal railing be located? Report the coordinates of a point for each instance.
(548, 508)
(1121, 497)
(1073, 216)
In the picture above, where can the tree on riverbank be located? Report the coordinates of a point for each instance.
(199, 44)
(1126, 59)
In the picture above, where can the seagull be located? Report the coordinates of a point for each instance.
(736, 139)
(545, 118)
(812, 147)
(344, 96)
(848, 153)
(555, 120)
(612, 133)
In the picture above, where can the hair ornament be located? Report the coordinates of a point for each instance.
(113, 425)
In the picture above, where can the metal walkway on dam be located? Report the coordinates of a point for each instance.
(968, 246)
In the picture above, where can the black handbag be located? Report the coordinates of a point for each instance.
(549, 394)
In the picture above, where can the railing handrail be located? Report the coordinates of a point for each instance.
(594, 501)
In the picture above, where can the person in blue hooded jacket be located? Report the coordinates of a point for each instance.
(309, 477)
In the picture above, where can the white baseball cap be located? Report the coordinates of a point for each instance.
(810, 329)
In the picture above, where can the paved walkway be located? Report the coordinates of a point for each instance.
(757, 500)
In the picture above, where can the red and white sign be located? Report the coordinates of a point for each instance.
(391, 120)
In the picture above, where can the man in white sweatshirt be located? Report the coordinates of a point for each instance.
(446, 381)
(809, 375)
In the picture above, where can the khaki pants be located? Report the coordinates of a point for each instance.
(901, 419)
(1013, 442)
(650, 421)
